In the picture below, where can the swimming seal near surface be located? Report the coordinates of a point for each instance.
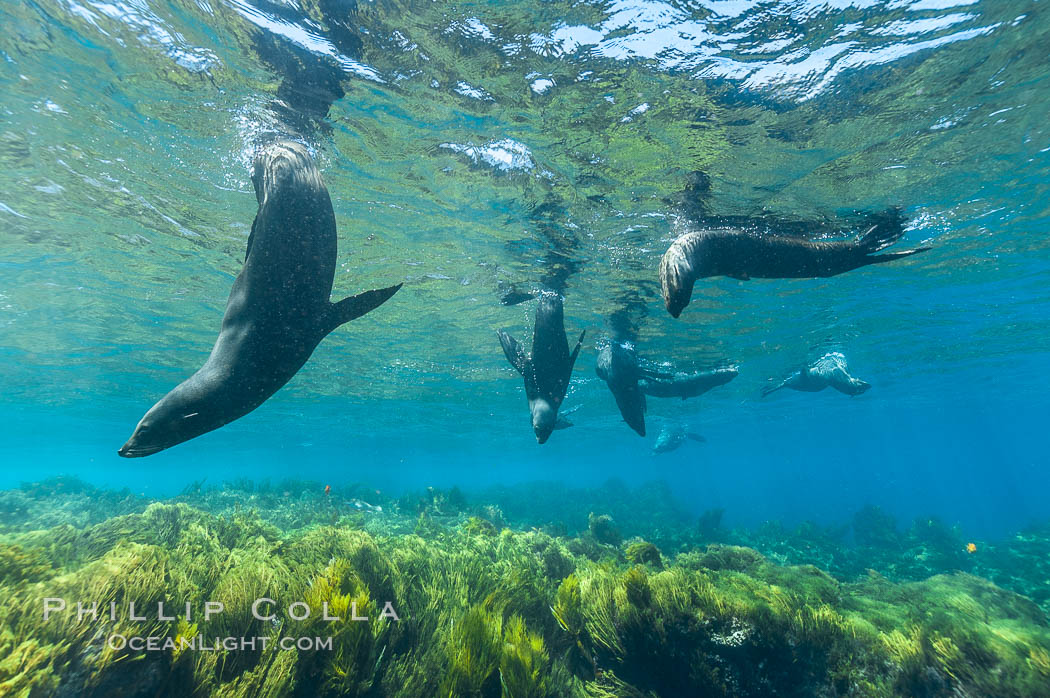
(828, 370)
(686, 385)
(548, 368)
(618, 367)
(278, 311)
(744, 255)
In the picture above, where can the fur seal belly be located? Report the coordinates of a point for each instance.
(744, 255)
(278, 311)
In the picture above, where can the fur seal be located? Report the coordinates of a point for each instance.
(618, 367)
(828, 370)
(686, 385)
(742, 254)
(279, 309)
(548, 368)
(672, 438)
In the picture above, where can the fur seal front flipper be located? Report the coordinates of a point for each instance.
(279, 308)
(548, 369)
(745, 255)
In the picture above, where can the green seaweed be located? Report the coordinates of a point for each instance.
(643, 553)
(483, 611)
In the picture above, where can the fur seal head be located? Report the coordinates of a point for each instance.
(544, 420)
(179, 416)
(679, 271)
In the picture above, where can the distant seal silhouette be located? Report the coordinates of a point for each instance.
(548, 368)
(278, 311)
(828, 370)
(618, 367)
(686, 385)
(744, 255)
(672, 438)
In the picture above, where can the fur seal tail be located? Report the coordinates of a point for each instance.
(888, 228)
(355, 306)
(879, 237)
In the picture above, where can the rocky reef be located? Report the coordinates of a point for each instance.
(441, 594)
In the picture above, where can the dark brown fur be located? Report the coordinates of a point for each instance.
(744, 255)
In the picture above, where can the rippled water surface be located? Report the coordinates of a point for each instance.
(471, 148)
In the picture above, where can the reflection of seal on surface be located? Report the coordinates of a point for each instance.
(548, 368)
(828, 370)
(618, 367)
(278, 311)
(744, 255)
(685, 385)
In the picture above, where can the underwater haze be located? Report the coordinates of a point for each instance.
(478, 150)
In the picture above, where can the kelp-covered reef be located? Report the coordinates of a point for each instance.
(612, 592)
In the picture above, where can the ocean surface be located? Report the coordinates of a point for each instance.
(472, 148)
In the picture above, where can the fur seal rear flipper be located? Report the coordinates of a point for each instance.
(279, 309)
(745, 255)
(548, 368)
(618, 367)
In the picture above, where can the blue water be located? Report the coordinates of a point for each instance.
(126, 133)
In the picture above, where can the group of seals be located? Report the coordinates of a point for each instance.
(743, 254)
(279, 309)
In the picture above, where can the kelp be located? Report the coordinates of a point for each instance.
(469, 608)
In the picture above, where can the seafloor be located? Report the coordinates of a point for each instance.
(534, 590)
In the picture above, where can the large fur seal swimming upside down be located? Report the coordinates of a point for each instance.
(743, 254)
(279, 309)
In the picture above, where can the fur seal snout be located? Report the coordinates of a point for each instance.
(743, 255)
(278, 311)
